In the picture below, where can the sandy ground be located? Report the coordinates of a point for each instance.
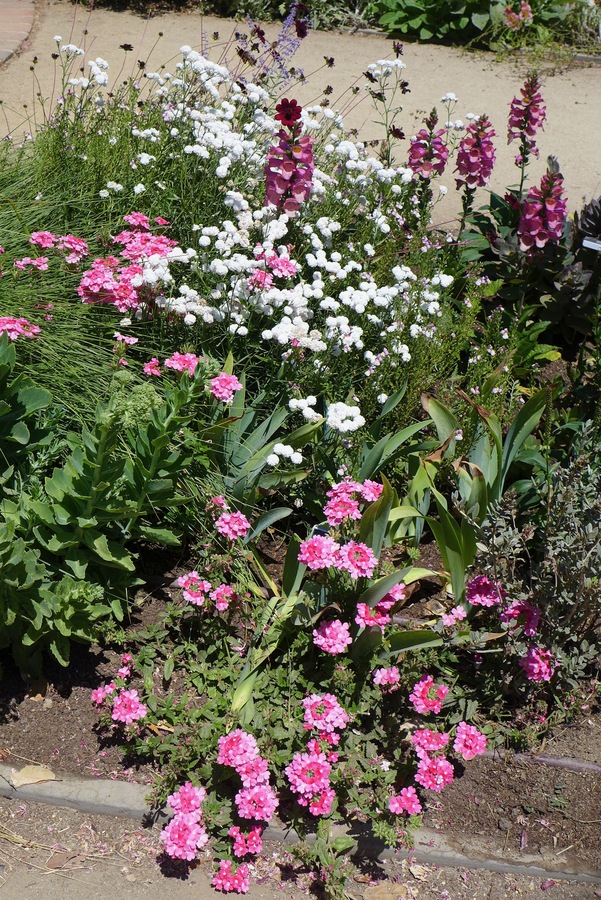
(480, 81)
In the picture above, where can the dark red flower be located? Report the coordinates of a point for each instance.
(288, 112)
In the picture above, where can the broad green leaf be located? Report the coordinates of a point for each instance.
(400, 641)
(267, 519)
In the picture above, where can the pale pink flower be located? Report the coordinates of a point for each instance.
(434, 773)
(371, 490)
(232, 525)
(138, 220)
(43, 239)
(332, 637)
(224, 386)
(257, 802)
(319, 552)
(357, 559)
(16, 328)
(125, 338)
(127, 707)
(427, 697)
(469, 742)
(77, 246)
(183, 362)
(384, 677)
(222, 595)
(324, 713)
(406, 801)
(152, 367)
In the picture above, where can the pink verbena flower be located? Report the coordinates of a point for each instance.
(257, 802)
(332, 637)
(384, 677)
(222, 596)
(229, 881)
(357, 559)
(39, 262)
(476, 154)
(371, 490)
(481, 591)
(469, 742)
(527, 115)
(100, 694)
(319, 552)
(321, 803)
(138, 220)
(378, 615)
(529, 611)
(16, 328)
(232, 525)
(538, 665)
(324, 713)
(253, 772)
(543, 214)
(127, 707)
(453, 616)
(195, 588)
(237, 748)
(43, 239)
(434, 773)
(427, 697)
(406, 801)
(246, 843)
(183, 836)
(183, 362)
(339, 508)
(187, 800)
(77, 247)
(428, 740)
(224, 386)
(125, 338)
(308, 773)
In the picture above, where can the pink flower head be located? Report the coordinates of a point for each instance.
(321, 803)
(339, 508)
(384, 677)
(138, 220)
(428, 152)
(232, 525)
(406, 801)
(332, 637)
(246, 843)
(527, 115)
(257, 802)
(222, 595)
(428, 740)
(183, 362)
(308, 773)
(469, 742)
(224, 386)
(319, 552)
(427, 697)
(538, 665)
(371, 490)
(43, 239)
(324, 713)
(481, 591)
(187, 800)
(183, 836)
(529, 611)
(77, 248)
(195, 588)
(100, 694)
(39, 262)
(125, 338)
(434, 773)
(357, 559)
(228, 881)
(543, 214)
(127, 707)
(237, 748)
(253, 772)
(152, 367)
(16, 328)
(455, 615)
(261, 279)
(476, 154)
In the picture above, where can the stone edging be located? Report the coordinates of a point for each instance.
(128, 800)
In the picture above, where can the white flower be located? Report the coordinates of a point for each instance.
(344, 418)
(103, 193)
(272, 459)
(139, 189)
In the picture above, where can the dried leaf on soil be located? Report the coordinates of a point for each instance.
(32, 775)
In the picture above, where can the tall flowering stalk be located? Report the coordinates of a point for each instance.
(289, 166)
(475, 161)
(527, 115)
(543, 213)
(428, 156)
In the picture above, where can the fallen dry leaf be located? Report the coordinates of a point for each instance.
(418, 872)
(32, 775)
(386, 891)
(62, 857)
(4, 754)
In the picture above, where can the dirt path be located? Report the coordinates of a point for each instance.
(482, 84)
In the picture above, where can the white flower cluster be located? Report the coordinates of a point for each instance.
(284, 451)
(306, 407)
(344, 418)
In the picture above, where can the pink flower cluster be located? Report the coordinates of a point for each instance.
(232, 525)
(324, 714)
(332, 636)
(257, 799)
(39, 262)
(543, 214)
(516, 21)
(245, 844)
(224, 386)
(428, 153)
(406, 801)
(183, 362)
(323, 552)
(197, 590)
(527, 115)
(16, 328)
(538, 665)
(387, 677)
(185, 834)
(529, 611)
(126, 704)
(481, 591)
(469, 742)
(379, 615)
(343, 505)
(289, 166)
(309, 778)
(457, 614)
(427, 697)
(229, 880)
(476, 154)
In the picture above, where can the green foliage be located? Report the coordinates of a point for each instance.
(457, 20)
